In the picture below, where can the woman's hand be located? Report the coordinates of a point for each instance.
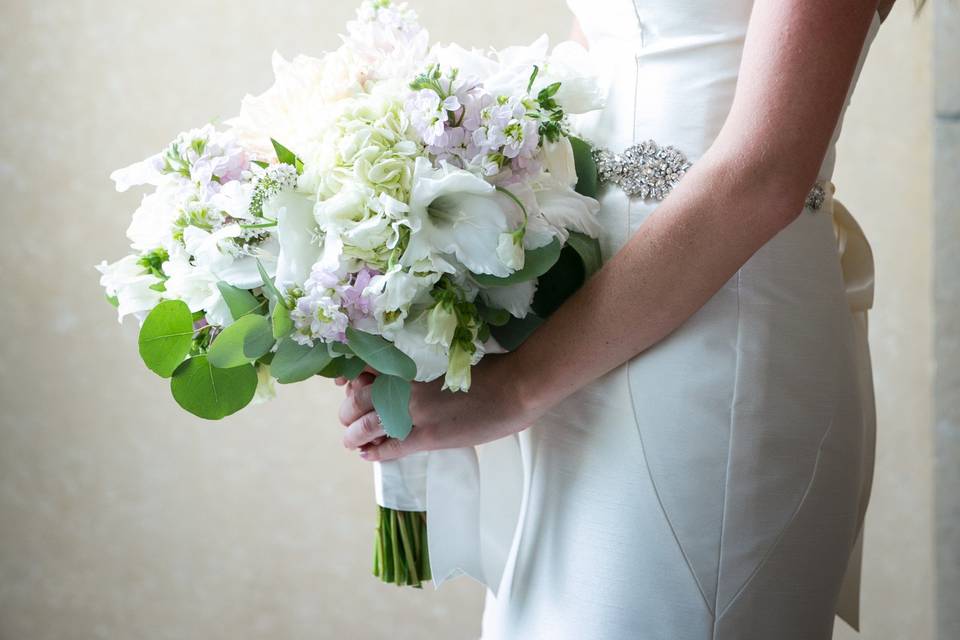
(493, 408)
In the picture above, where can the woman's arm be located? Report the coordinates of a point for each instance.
(798, 61)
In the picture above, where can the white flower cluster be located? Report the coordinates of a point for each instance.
(194, 230)
(407, 176)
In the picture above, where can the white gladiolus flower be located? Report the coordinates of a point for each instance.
(441, 325)
(510, 250)
(458, 370)
(453, 211)
(558, 160)
(266, 389)
(431, 359)
(130, 283)
(515, 298)
(564, 209)
(571, 65)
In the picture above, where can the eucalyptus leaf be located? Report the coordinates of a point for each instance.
(380, 354)
(559, 283)
(588, 249)
(295, 362)
(244, 341)
(166, 337)
(511, 335)
(536, 263)
(493, 316)
(269, 288)
(212, 393)
(344, 367)
(588, 181)
(239, 301)
(391, 399)
(282, 324)
(353, 367)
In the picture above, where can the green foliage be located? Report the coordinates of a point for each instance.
(240, 301)
(345, 367)
(536, 263)
(286, 156)
(244, 341)
(166, 337)
(587, 178)
(588, 249)
(380, 354)
(282, 323)
(212, 393)
(269, 288)
(511, 335)
(295, 362)
(391, 399)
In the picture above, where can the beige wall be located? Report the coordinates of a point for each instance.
(121, 517)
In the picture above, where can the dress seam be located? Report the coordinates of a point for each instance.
(786, 527)
(726, 482)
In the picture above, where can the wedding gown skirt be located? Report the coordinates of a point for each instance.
(713, 487)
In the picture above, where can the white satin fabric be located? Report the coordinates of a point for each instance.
(714, 486)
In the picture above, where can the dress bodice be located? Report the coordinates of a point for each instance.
(671, 70)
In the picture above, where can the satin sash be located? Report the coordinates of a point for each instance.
(473, 495)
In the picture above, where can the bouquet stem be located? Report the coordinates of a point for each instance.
(400, 554)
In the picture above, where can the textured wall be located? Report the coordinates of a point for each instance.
(121, 517)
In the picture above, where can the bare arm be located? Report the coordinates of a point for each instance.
(798, 61)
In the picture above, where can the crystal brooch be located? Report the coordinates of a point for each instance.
(649, 171)
(646, 169)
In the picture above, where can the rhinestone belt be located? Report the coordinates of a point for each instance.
(650, 171)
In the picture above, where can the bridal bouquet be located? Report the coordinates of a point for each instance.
(388, 205)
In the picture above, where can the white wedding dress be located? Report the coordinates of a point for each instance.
(713, 487)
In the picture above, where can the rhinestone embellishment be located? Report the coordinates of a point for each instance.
(815, 198)
(645, 169)
(650, 171)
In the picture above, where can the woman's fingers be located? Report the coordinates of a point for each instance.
(365, 430)
(390, 448)
(357, 403)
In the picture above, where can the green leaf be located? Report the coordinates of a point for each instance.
(113, 300)
(559, 283)
(282, 324)
(587, 179)
(492, 316)
(511, 335)
(536, 262)
(345, 367)
(261, 164)
(286, 156)
(244, 341)
(380, 354)
(588, 249)
(239, 301)
(166, 337)
(391, 399)
(269, 288)
(353, 367)
(295, 362)
(212, 393)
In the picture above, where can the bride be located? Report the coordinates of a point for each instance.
(697, 456)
